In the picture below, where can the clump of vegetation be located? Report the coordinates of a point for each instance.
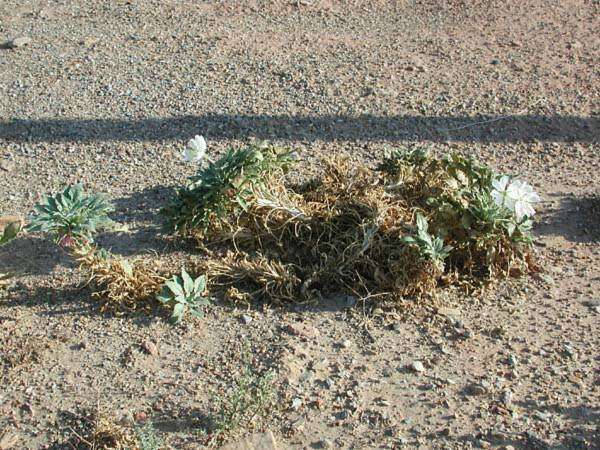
(148, 438)
(223, 188)
(9, 229)
(400, 230)
(99, 430)
(412, 223)
(74, 218)
(72, 215)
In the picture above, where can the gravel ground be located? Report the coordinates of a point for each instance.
(106, 92)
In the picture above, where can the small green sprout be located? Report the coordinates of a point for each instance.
(72, 214)
(184, 294)
(10, 232)
(430, 247)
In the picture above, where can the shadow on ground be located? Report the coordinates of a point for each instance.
(31, 255)
(577, 219)
(484, 128)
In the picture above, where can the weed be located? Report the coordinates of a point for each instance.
(74, 218)
(249, 400)
(184, 295)
(351, 230)
(9, 229)
(430, 247)
(72, 215)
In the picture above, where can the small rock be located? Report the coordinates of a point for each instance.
(548, 279)
(296, 403)
(544, 417)
(346, 343)
(507, 398)
(301, 330)
(6, 165)
(329, 383)
(417, 366)
(149, 347)
(475, 389)
(592, 303)
(246, 319)
(18, 42)
(323, 443)
(140, 416)
(396, 326)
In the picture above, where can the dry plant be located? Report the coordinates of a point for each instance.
(401, 230)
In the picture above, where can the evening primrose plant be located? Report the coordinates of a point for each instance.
(71, 214)
(430, 247)
(184, 295)
(222, 187)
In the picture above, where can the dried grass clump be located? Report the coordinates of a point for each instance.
(350, 230)
(98, 431)
(123, 284)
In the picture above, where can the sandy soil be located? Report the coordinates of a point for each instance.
(106, 92)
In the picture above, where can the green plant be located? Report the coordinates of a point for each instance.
(223, 187)
(148, 438)
(184, 294)
(251, 397)
(10, 232)
(72, 214)
(395, 159)
(468, 171)
(430, 247)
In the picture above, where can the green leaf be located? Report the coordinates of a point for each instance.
(408, 240)
(127, 267)
(510, 228)
(178, 311)
(421, 223)
(165, 295)
(10, 232)
(175, 286)
(200, 284)
(188, 283)
(197, 313)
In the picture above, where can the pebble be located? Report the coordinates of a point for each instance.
(7, 166)
(475, 389)
(297, 403)
(346, 343)
(18, 42)
(246, 319)
(149, 347)
(417, 366)
(323, 443)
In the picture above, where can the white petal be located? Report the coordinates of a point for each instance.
(498, 197)
(198, 144)
(501, 183)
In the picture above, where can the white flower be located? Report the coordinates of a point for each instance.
(195, 150)
(523, 197)
(516, 195)
(500, 186)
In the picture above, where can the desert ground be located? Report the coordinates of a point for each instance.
(107, 93)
